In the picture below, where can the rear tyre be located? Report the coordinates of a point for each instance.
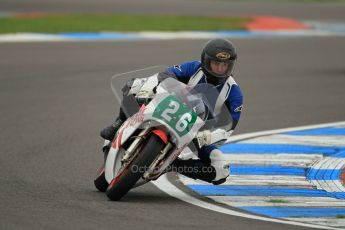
(127, 178)
(100, 182)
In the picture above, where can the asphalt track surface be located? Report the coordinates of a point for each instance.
(312, 11)
(55, 97)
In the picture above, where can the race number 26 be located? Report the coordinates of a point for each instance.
(178, 116)
(171, 110)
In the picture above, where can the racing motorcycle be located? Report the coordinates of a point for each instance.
(155, 133)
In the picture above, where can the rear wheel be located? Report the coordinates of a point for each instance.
(128, 176)
(100, 181)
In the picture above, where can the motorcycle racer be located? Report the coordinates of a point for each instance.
(217, 62)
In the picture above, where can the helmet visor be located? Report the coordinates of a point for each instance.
(219, 68)
(216, 67)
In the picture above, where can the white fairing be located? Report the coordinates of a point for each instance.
(113, 161)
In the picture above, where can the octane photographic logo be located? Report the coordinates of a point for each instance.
(187, 169)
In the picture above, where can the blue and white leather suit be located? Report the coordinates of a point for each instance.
(230, 94)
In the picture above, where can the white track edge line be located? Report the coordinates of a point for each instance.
(276, 131)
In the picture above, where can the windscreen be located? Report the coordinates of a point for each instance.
(202, 98)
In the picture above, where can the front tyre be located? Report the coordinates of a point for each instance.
(127, 178)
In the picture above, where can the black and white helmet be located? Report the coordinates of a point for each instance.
(220, 51)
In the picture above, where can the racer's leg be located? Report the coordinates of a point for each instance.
(129, 106)
(195, 169)
(108, 133)
(211, 167)
(212, 155)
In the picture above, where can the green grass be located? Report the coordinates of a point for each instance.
(340, 216)
(277, 201)
(125, 23)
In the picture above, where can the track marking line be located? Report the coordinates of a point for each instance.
(165, 185)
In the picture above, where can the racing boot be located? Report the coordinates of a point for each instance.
(109, 132)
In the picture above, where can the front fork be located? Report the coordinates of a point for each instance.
(134, 146)
(153, 167)
(139, 140)
(132, 150)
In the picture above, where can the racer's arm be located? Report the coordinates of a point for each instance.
(184, 71)
(148, 84)
(234, 104)
(181, 72)
(140, 91)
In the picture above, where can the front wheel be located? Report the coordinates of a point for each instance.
(128, 176)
